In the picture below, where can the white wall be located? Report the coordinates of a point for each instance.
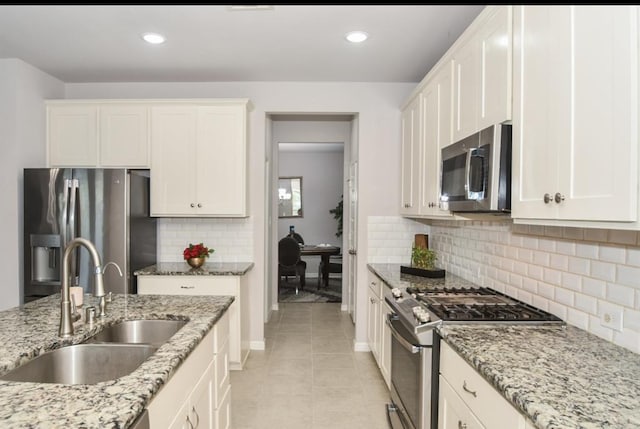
(23, 88)
(377, 108)
(576, 274)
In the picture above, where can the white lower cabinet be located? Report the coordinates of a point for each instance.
(210, 285)
(466, 400)
(378, 333)
(197, 395)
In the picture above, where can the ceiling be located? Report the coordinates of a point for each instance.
(208, 43)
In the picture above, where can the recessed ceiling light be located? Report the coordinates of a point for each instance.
(356, 36)
(153, 38)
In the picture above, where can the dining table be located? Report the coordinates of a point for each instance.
(324, 251)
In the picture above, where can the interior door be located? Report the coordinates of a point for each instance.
(353, 239)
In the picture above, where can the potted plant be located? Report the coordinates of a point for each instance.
(337, 214)
(195, 254)
(424, 258)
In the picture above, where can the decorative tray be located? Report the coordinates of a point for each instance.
(435, 273)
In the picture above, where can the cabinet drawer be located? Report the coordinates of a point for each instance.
(221, 378)
(375, 284)
(188, 285)
(491, 408)
(452, 411)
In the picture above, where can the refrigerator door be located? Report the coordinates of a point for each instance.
(46, 211)
(142, 227)
(100, 216)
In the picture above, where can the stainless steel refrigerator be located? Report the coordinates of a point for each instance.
(109, 207)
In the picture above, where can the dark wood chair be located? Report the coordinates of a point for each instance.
(335, 266)
(289, 262)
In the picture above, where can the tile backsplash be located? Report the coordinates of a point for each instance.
(576, 274)
(390, 239)
(232, 239)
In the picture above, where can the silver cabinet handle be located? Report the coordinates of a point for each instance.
(558, 197)
(192, 205)
(547, 198)
(199, 205)
(462, 425)
(189, 423)
(373, 301)
(187, 287)
(466, 389)
(193, 409)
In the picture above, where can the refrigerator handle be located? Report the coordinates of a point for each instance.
(75, 263)
(65, 213)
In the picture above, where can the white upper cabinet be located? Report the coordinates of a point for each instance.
(124, 135)
(199, 160)
(97, 134)
(436, 133)
(410, 180)
(482, 62)
(72, 135)
(575, 133)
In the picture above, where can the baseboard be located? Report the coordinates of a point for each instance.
(361, 347)
(274, 307)
(257, 345)
(344, 307)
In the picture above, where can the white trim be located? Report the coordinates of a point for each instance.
(257, 345)
(274, 307)
(361, 347)
(344, 307)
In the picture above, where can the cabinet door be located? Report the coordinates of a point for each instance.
(411, 158)
(495, 38)
(202, 412)
(467, 83)
(599, 160)
(220, 163)
(436, 133)
(575, 122)
(72, 135)
(373, 324)
(541, 111)
(173, 160)
(124, 136)
(452, 411)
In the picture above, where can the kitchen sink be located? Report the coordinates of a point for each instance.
(152, 332)
(82, 364)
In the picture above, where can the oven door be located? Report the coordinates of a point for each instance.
(410, 379)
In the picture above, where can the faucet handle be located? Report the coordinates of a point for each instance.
(109, 296)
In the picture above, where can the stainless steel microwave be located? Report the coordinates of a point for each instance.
(476, 172)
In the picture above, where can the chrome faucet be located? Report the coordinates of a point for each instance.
(66, 314)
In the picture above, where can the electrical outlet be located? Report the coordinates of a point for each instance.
(612, 318)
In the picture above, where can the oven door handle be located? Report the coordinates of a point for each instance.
(406, 344)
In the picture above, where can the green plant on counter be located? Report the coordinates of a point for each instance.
(423, 258)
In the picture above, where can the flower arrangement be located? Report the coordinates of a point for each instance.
(196, 251)
(423, 258)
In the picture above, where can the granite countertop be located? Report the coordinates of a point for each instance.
(559, 376)
(183, 269)
(32, 329)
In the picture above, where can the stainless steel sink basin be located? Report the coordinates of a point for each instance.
(82, 364)
(154, 332)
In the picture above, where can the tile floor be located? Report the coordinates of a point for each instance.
(309, 377)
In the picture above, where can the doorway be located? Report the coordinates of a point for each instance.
(298, 144)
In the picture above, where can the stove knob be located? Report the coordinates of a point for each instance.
(397, 293)
(423, 316)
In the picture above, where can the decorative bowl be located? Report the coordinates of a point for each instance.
(195, 262)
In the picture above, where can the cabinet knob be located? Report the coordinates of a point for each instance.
(461, 425)
(199, 205)
(547, 198)
(558, 197)
(187, 287)
(192, 205)
(373, 301)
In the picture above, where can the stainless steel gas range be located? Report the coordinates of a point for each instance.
(415, 345)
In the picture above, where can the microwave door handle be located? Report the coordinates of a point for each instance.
(65, 213)
(74, 270)
(467, 175)
(406, 344)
